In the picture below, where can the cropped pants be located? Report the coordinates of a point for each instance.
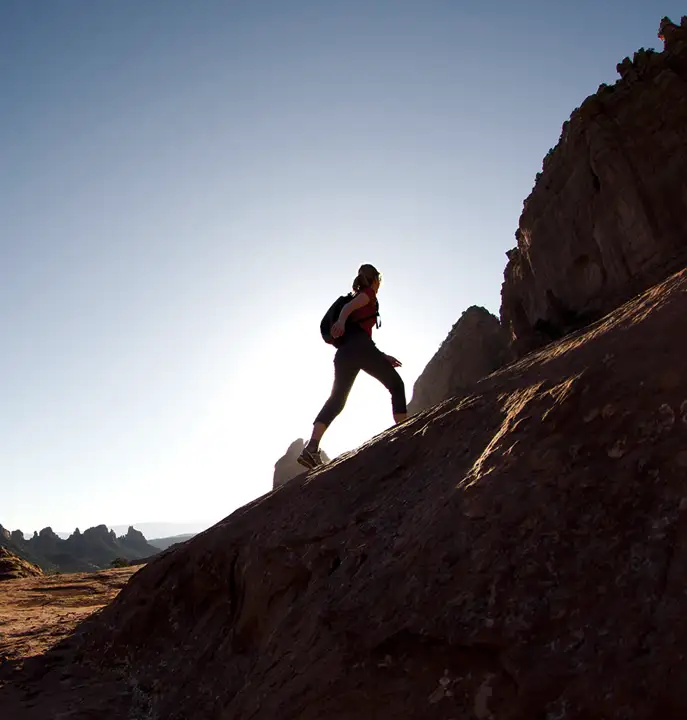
(358, 352)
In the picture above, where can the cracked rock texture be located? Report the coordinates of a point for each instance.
(517, 553)
(476, 346)
(607, 217)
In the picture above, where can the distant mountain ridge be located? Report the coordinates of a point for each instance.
(150, 529)
(94, 549)
(165, 542)
(165, 529)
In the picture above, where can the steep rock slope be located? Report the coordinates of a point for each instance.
(287, 467)
(608, 216)
(516, 554)
(476, 346)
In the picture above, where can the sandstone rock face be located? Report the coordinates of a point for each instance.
(287, 467)
(476, 346)
(13, 567)
(518, 553)
(608, 215)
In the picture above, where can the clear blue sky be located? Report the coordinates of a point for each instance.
(185, 187)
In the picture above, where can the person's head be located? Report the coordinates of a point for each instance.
(368, 277)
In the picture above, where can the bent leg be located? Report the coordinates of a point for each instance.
(375, 363)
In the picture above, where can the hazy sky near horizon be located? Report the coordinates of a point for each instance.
(186, 186)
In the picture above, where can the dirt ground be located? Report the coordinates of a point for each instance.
(36, 615)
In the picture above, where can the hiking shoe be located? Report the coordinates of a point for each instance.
(309, 458)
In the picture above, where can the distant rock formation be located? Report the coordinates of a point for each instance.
(135, 540)
(13, 567)
(476, 346)
(93, 549)
(287, 467)
(607, 217)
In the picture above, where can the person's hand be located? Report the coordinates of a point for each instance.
(338, 329)
(395, 363)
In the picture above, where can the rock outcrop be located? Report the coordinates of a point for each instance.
(517, 553)
(476, 346)
(607, 217)
(287, 467)
(135, 540)
(13, 567)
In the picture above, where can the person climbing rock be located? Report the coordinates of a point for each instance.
(348, 326)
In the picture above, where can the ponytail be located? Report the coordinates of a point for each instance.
(367, 274)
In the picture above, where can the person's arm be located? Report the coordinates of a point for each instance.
(356, 303)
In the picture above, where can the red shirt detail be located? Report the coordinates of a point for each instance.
(365, 311)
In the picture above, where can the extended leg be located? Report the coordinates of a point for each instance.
(345, 372)
(346, 369)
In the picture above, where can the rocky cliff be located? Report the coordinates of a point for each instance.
(287, 467)
(607, 217)
(518, 553)
(476, 346)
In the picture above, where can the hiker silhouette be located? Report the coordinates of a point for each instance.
(348, 326)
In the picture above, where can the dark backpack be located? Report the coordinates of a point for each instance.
(332, 315)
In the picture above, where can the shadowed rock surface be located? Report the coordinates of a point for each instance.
(476, 346)
(287, 467)
(519, 553)
(607, 217)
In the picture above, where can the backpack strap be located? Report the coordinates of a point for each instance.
(378, 323)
